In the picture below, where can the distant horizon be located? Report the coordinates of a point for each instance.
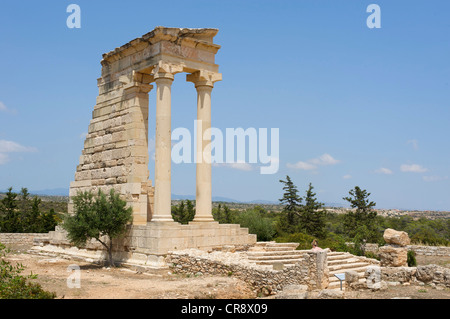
(65, 193)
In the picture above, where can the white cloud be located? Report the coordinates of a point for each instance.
(12, 147)
(302, 165)
(434, 178)
(413, 168)
(4, 109)
(347, 176)
(414, 143)
(312, 164)
(325, 159)
(384, 170)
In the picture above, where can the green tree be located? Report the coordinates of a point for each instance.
(217, 213)
(9, 222)
(312, 215)
(228, 215)
(48, 221)
(23, 203)
(223, 214)
(292, 205)
(364, 215)
(257, 224)
(183, 213)
(33, 224)
(96, 218)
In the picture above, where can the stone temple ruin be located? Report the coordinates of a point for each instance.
(116, 155)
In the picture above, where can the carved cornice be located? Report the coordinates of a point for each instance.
(202, 37)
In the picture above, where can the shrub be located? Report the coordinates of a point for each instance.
(333, 241)
(261, 226)
(15, 286)
(411, 258)
(304, 240)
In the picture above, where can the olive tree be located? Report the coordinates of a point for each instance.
(97, 217)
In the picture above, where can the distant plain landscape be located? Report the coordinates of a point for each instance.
(58, 198)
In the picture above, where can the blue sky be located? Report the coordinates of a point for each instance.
(355, 106)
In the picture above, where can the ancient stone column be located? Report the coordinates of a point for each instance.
(163, 75)
(204, 83)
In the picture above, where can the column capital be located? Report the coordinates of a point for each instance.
(166, 70)
(204, 78)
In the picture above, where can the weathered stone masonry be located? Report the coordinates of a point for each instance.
(115, 154)
(311, 271)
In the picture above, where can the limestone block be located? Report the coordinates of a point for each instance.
(83, 175)
(426, 273)
(331, 294)
(398, 274)
(351, 277)
(391, 256)
(395, 237)
(293, 292)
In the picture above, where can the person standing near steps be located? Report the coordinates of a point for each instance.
(315, 246)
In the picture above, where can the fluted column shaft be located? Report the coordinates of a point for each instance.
(162, 208)
(204, 83)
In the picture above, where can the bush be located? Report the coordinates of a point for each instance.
(332, 241)
(411, 259)
(304, 240)
(257, 224)
(15, 286)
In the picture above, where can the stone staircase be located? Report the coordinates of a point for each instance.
(340, 262)
(272, 254)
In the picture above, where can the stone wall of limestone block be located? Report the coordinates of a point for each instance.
(115, 153)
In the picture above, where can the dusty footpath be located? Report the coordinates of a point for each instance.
(98, 282)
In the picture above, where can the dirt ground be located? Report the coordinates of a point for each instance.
(97, 282)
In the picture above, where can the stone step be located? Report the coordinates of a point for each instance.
(347, 266)
(342, 261)
(275, 257)
(336, 253)
(338, 256)
(286, 262)
(269, 245)
(274, 253)
(357, 269)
